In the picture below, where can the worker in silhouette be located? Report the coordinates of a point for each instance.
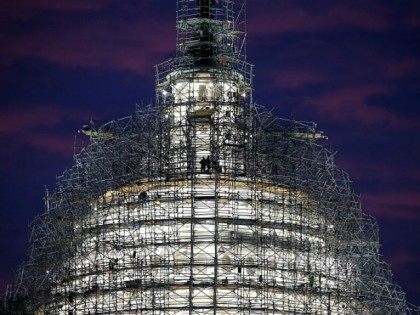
(217, 167)
(203, 164)
(208, 164)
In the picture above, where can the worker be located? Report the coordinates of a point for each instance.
(203, 164)
(208, 163)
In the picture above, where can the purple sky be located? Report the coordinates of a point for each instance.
(351, 66)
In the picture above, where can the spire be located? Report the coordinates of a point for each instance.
(207, 32)
(203, 47)
(210, 43)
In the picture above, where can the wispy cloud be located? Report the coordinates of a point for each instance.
(107, 43)
(350, 105)
(406, 265)
(401, 260)
(296, 17)
(296, 78)
(38, 128)
(393, 204)
(366, 169)
(24, 9)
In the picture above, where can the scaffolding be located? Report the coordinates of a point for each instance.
(204, 203)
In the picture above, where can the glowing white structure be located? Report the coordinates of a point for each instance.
(204, 204)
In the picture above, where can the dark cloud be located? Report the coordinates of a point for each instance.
(297, 17)
(405, 265)
(36, 127)
(393, 204)
(24, 9)
(105, 41)
(350, 105)
(296, 78)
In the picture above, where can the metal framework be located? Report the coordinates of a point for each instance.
(204, 203)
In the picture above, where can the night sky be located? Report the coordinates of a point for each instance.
(351, 66)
